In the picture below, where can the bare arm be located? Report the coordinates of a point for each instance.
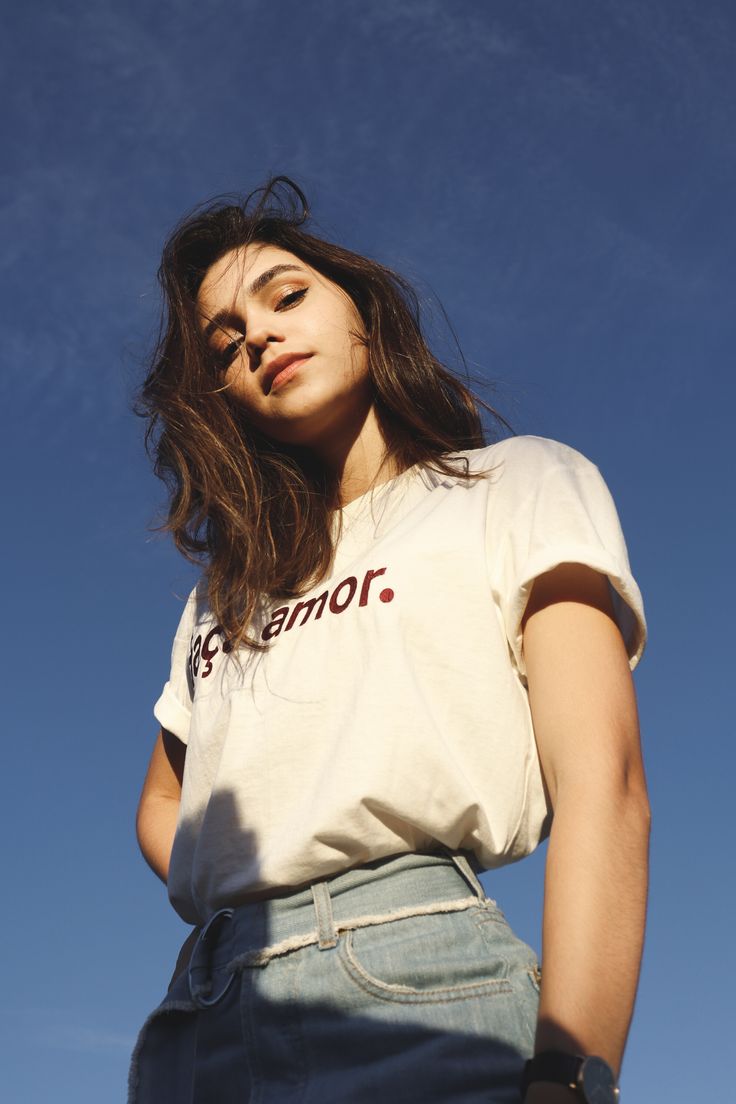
(586, 726)
(158, 808)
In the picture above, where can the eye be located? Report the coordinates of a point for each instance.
(229, 352)
(291, 299)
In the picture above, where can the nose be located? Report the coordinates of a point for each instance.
(261, 333)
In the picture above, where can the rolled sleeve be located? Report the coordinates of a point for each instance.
(173, 709)
(555, 508)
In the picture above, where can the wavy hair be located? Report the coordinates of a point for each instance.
(253, 513)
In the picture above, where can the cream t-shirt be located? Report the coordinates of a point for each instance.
(391, 712)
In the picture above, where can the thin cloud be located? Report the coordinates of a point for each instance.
(55, 1029)
(90, 1040)
(434, 24)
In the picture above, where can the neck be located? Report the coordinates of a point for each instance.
(358, 459)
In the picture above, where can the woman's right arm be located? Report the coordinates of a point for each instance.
(158, 809)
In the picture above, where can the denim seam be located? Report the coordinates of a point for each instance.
(385, 991)
(264, 955)
(489, 917)
(248, 1034)
(299, 1045)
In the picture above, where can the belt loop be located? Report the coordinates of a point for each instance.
(201, 993)
(326, 930)
(467, 872)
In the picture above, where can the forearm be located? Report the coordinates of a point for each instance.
(156, 827)
(593, 927)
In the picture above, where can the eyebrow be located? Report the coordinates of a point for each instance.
(255, 288)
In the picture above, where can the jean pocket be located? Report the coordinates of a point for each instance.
(429, 958)
(502, 942)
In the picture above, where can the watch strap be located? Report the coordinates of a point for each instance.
(590, 1077)
(552, 1065)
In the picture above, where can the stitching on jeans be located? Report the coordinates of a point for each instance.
(296, 1036)
(249, 1035)
(490, 918)
(264, 955)
(384, 990)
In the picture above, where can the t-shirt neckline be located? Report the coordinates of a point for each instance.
(376, 493)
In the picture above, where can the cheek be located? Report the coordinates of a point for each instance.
(353, 349)
(359, 360)
(339, 323)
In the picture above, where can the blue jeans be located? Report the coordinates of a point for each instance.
(397, 981)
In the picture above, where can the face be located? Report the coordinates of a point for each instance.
(284, 337)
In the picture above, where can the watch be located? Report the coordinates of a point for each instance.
(591, 1077)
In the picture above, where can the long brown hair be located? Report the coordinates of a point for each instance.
(255, 513)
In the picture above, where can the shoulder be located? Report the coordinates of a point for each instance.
(195, 610)
(537, 474)
(526, 451)
(526, 459)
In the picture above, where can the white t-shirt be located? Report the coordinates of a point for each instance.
(391, 712)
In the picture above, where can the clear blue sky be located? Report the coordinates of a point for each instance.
(562, 177)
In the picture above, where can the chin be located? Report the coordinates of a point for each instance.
(300, 432)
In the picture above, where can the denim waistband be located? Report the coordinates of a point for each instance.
(374, 893)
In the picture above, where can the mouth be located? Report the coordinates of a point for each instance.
(281, 370)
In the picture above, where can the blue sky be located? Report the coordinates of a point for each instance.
(561, 178)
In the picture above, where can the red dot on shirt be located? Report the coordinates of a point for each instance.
(386, 595)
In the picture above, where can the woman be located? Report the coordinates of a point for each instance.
(407, 660)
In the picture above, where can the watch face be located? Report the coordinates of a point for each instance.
(598, 1082)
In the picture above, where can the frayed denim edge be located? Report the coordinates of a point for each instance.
(295, 942)
(162, 1009)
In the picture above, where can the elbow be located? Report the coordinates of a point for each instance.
(634, 796)
(644, 812)
(144, 826)
(624, 802)
(156, 822)
(141, 818)
(633, 817)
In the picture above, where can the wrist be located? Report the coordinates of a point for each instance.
(556, 1076)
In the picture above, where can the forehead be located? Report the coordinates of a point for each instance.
(238, 268)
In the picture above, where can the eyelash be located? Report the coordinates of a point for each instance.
(290, 299)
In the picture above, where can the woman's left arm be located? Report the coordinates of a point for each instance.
(586, 726)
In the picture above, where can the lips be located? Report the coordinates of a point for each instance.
(282, 369)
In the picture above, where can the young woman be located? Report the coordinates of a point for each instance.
(407, 660)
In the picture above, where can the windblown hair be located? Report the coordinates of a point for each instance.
(254, 513)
